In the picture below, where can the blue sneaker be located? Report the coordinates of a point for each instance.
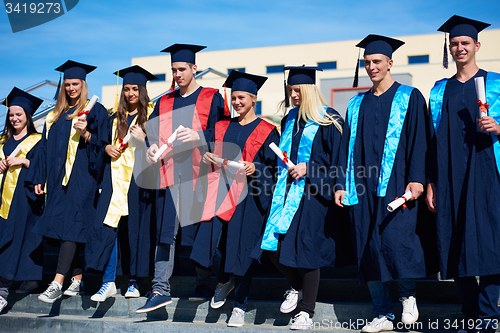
(155, 301)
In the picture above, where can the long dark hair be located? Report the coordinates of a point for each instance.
(142, 114)
(9, 130)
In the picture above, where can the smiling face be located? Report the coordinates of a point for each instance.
(17, 118)
(131, 93)
(73, 89)
(183, 73)
(242, 102)
(295, 95)
(463, 49)
(377, 66)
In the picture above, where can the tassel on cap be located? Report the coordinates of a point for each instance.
(356, 73)
(287, 101)
(227, 113)
(56, 96)
(172, 87)
(117, 91)
(445, 53)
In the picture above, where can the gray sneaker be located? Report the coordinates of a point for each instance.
(51, 294)
(237, 318)
(75, 288)
(221, 292)
(3, 303)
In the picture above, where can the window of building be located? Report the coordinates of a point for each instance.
(275, 69)
(242, 70)
(328, 65)
(161, 77)
(419, 59)
(258, 108)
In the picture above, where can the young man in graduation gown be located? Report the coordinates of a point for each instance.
(464, 185)
(382, 156)
(197, 109)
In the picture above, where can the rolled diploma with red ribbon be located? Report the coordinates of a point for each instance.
(279, 153)
(125, 140)
(89, 106)
(14, 152)
(170, 140)
(481, 95)
(233, 164)
(398, 202)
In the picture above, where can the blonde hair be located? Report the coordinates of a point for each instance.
(62, 103)
(312, 107)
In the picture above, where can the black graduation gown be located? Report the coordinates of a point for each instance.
(21, 251)
(69, 210)
(246, 226)
(464, 170)
(166, 199)
(314, 237)
(136, 239)
(387, 244)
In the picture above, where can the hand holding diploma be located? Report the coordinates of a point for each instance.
(165, 146)
(225, 161)
(399, 202)
(124, 141)
(281, 155)
(8, 161)
(481, 95)
(83, 114)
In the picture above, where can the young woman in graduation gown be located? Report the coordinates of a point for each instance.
(124, 209)
(299, 231)
(233, 219)
(21, 251)
(62, 169)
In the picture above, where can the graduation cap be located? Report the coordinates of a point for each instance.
(239, 81)
(75, 70)
(135, 75)
(183, 52)
(300, 75)
(376, 44)
(21, 98)
(460, 26)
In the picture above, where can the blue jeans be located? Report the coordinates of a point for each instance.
(164, 265)
(110, 272)
(381, 297)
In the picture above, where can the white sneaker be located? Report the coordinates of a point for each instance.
(292, 297)
(410, 310)
(301, 321)
(221, 292)
(26, 287)
(51, 294)
(378, 324)
(133, 290)
(108, 289)
(237, 318)
(3, 304)
(75, 288)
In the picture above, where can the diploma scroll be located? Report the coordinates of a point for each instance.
(170, 140)
(14, 153)
(233, 164)
(280, 154)
(398, 202)
(124, 141)
(481, 95)
(83, 114)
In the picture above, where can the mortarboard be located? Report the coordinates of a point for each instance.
(183, 52)
(239, 81)
(75, 70)
(135, 75)
(21, 98)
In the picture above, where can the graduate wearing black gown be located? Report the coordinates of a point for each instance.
(464, 184)
(21, 251)
(68, 144)
(382, 157)
(123, 220)
(197, 109)
(237, 199)
(300, 228)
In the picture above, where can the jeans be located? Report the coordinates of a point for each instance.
(164, 265)
(381, 297)
(110, 272)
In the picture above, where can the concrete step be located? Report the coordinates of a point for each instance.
(75, 314)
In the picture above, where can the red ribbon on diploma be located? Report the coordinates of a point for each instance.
(122, 145)
(484, 107)
(81, 113)
(404, 205)
(224, 163)
(285, 158)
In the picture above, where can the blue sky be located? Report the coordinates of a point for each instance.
(108, 33)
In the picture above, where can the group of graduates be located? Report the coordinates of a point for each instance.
(241, 189)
